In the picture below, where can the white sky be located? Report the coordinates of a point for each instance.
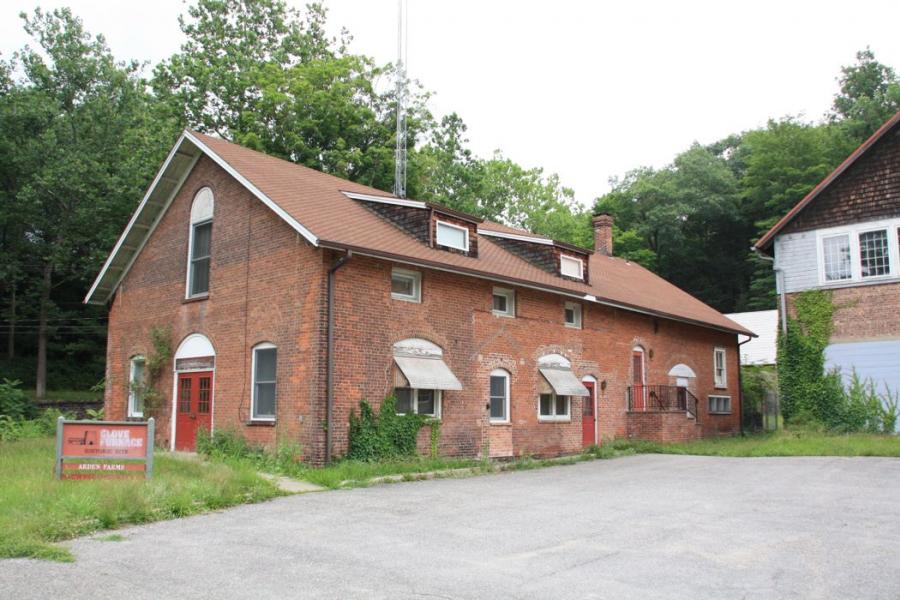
(585, 89)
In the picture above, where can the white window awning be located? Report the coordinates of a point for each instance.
(564, 382)
(427, 373)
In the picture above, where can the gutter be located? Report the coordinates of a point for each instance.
(329, 357)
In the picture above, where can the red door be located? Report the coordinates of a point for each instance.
(637, 397)
(193, 408)
(588, 417)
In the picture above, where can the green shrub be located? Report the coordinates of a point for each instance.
(14, 403)
(384, 435)
(889, 404)
(228, 444)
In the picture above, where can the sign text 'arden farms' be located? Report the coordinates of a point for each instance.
(127, 448)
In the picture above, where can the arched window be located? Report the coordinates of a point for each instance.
(200, 244)
(499, 395)
(136, 386)
(264, 376)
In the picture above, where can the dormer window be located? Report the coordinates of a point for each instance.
(453, 236)
(571, 267)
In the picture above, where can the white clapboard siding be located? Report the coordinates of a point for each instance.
(795, 255)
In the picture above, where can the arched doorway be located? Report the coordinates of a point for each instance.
(192, 398)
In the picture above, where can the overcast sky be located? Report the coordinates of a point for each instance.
(589, 90)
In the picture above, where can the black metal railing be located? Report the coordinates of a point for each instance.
(661, 398)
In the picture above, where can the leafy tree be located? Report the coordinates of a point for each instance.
(869, 95)
(78, 149)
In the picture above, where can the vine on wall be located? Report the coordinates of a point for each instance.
(155, 363)
(386, 434)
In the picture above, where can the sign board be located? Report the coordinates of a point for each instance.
(103, 449)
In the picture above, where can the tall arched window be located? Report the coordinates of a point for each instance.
(200, 244)
(499, 395)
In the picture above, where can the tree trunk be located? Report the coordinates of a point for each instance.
(11, 340)
(41, 378)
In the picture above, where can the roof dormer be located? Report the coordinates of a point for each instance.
(561, 259)
(435, 226)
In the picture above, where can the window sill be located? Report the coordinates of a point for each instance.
(721, 387)
(502, 314)
(501, 424)
(404, 299)
(570, 326)
(552, 420)
(260, 423)
(198, 298)
(719, 414)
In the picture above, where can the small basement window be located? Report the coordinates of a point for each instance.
(573, 315)
(503, 302)
(420, 402)
(720, 405)
(571, 267)
(453, 236)
(406, 285)
(553, 408)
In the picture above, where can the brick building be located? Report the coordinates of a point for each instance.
(844, 236)
(291, 295)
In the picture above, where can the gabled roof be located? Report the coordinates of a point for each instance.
(320, 208)
(766, 240)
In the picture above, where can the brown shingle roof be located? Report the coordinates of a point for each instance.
(316, 202)
(315, 199)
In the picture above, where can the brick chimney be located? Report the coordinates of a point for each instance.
(603, 242)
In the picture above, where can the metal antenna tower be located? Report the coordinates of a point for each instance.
(400, 152)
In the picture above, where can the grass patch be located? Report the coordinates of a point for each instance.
(347, 473)
(36, 510)
(113, 537)
(780, 443)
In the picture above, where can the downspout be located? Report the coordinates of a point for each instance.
(779, 284)
(329, 357)
(741, 384)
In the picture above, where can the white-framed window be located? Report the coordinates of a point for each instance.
(571, 266)
(406, 285)
(836, 257)
(720, 372)
(572, 315)
(265, 358)
(553, 408)
(503, 302)
(499, 396)
(453, 236)
(874, 253)
(200, 244)
(136, 378)
(420, 402)
(859, 253)
(720, 405)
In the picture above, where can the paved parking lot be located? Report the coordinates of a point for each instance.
(637, 527)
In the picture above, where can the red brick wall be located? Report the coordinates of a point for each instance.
(865, 312)
(663, 427)
(455, 314)
(868, 190)
(266, 285)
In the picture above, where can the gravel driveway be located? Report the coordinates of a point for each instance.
(638, 527)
